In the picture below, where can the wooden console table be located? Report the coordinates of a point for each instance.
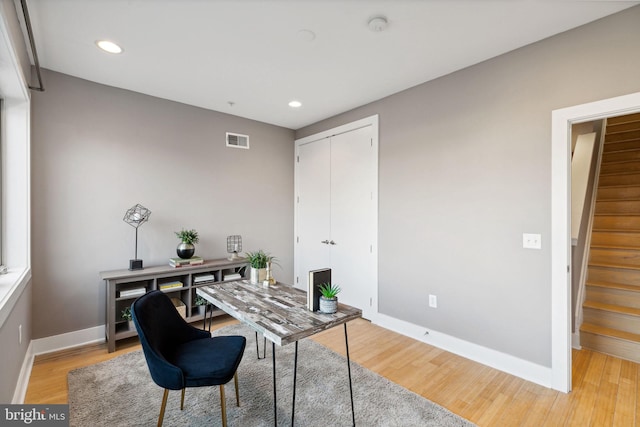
(124, 286)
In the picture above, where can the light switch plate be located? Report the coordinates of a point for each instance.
(531, 241)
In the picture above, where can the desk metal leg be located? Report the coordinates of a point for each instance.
(264, 347)
(295, 372)
(275, 406)
(346, 343)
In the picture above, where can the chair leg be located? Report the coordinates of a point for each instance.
(163, 406)
(223, 407)
(235, 381)
(182, 400)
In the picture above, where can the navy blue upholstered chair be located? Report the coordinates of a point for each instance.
(181, 356)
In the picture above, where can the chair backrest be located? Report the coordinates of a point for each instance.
(161, 329)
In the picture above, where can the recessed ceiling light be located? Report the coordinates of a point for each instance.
(295, 104)
(108, 46)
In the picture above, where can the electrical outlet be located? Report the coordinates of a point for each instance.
(433, 301)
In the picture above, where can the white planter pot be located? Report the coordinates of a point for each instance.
(328, 306)
(257, 275)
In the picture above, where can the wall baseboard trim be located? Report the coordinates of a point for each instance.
(49, 345)
(23, 379)
(68, 340)
(492, 358)
(575, 341)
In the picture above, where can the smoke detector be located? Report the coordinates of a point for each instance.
(378, 24)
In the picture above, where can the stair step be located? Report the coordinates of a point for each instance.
(623, 178)
(625, 319)
(627, 118)
(617, 294)
(613, 308)
(623, 127)
(614, 147)
(627, 135)
(620, 344)
(616, 239)
(615, 222)
(620, 166)
(626, 258)
(620, 156)
(606, 274)
(617, 193)
(617, 207)
(607, 222)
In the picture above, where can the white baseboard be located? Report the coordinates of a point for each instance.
(68, 340)
(23, 379)
(575, 341)
(51, 344)
(495, 359)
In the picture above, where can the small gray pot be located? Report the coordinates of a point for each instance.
(328, 305)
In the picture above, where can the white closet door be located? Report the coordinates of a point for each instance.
(313, 181)
(352, 208)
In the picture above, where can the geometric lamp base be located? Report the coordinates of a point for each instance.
(135, 264)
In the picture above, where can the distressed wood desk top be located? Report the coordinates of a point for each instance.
(279, 312)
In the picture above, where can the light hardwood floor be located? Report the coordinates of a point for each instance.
(605, 389)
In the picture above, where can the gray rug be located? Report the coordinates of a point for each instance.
(120, 392)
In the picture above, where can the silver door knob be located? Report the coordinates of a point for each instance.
(332, 242)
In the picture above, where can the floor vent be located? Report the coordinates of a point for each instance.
(237, 140)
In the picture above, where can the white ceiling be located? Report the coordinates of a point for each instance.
(251, 53)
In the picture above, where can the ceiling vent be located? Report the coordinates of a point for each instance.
(237, 140)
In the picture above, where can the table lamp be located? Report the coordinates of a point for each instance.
(135, 217)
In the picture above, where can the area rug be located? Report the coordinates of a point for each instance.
(120, 392)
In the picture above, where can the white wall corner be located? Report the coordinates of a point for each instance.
(486, 356)
(68, 340)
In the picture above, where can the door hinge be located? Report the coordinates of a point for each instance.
(298, 159)
(297, 239)
(297, 279)
(370, 302)
(371, 248)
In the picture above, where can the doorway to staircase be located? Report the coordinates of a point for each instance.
(561, 319)
(611, 307)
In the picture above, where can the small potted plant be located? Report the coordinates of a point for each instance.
(126, 315)
(258, 262)
(329, 298)
(188, 238)
(199, 304)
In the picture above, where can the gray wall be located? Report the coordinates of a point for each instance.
(465, 169)
(98, 150)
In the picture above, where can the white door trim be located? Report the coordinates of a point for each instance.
(367, 121)
(562, 120)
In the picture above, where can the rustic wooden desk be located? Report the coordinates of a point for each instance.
(280, 313)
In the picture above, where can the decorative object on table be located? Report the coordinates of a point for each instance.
(135, 217)
(269, 279)
(316, 279)
(234, 245)
(329, 298)
(126, 315)
(181, 262)
(199, 305)
(258, 262)
(188, 238)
